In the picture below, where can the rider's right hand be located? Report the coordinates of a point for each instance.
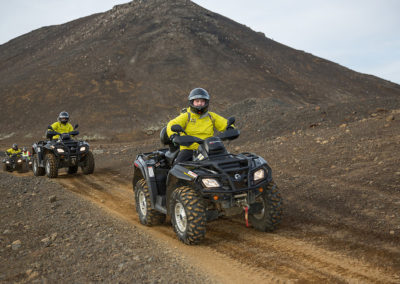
(172, 137)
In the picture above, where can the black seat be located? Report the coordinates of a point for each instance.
(170, 156)
(173, 150)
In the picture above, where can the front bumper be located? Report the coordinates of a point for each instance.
(237, 197)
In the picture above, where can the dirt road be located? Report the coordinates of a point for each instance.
(236, 254)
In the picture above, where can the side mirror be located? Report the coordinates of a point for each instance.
(49, 127)
(231, 120)
(177, 128)
(76, 126)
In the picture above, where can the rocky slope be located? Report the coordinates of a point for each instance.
(124, 72)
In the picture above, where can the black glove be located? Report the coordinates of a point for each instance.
(172, 137)
(230, 127)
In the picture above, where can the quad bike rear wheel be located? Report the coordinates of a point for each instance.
(147, 215)
(188, 215)
(51, 166)
(37, 171)
(270, 216)
(88, 167)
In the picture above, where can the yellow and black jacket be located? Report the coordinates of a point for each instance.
(12, 151)
(201, 126)
(61, 128)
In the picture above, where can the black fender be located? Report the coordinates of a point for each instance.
(137, 175)
(39, 150)
(177, 176)
(44, 150)
(141, 171)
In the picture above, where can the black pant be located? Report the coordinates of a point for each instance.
(184, 155)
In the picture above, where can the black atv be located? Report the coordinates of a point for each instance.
(15, 162)
(215, 183)
(28, 162)
(65, 152)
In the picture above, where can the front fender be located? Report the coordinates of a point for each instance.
(141, 171)
(177, 176)
(138, 174)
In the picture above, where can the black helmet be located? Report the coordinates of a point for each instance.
(15, 146)
(63, 117)
(198, 93)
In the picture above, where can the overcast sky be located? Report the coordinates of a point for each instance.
(363, 35)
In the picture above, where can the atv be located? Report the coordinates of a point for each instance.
(215, 183)
(65, 152)
(28, 162)
(15, 162)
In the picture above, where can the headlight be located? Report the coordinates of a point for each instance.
(260, 174)
(19, 161)
(82, 148)
(210, 182)
(7, 162)
(59, 150)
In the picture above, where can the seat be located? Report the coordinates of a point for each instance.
(171, 156)
(173, 150)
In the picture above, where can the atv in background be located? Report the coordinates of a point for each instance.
(15, 162)
(215, 183)
(65, 152)
(28, 162)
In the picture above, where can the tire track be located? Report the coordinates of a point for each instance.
(239, 253)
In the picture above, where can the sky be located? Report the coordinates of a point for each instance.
(363, 35)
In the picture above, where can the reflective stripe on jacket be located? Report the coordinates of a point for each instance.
(201, 126)
(26, 154)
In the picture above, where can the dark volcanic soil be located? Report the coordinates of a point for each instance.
(340, 184)
(50, 235)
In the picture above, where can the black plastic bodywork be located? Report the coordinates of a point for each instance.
(14, 162)
(71, 154)
(233, 171)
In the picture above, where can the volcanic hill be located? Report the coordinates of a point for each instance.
(123, 73)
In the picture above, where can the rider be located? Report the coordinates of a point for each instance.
(25, 153)
(196, 121)
(62, 125)
(13, 150)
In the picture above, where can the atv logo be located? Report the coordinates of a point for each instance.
(237, 177)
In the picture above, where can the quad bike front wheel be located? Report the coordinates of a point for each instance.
(5, 167)
(37, 171)
(147, 215)
(88, 167)
(188, 215)
(270, 216)
(51, 166)
(23, 167)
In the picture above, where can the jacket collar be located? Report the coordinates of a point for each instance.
(200, 116)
